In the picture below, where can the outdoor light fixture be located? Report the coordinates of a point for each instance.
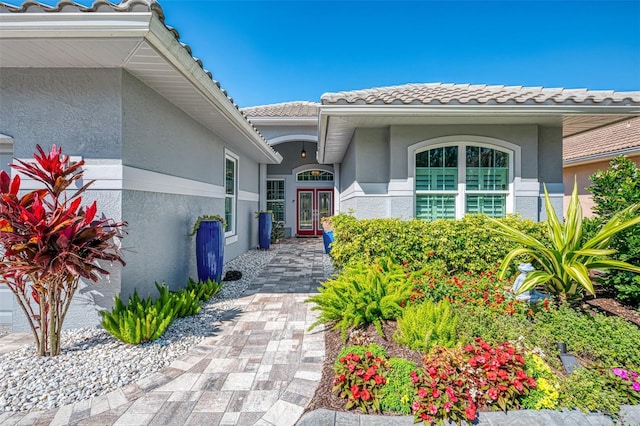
(303, 153)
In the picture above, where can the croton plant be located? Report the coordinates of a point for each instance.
(51, 242)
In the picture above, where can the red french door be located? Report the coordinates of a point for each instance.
(313, 205)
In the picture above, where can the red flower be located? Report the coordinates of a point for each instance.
(447, 406)
(470, 412)
(492, 393)
(366, 396)
(433, 409)
(491, 375)
(379, 380)
(355, 391)
(435, 393)
(422, 392)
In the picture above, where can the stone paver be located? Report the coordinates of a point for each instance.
(261, 368)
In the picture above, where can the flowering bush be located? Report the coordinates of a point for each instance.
(628, 382)
(483, 289)
(546, 393)
(455, 382)
(442, 388)
(360, 379)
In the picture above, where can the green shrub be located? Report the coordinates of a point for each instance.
(422, 326)
(399, 389)
(493, 327)
(607, 340)
(363, 294)
(613, 190)
(205, 290)
(448, 246)
(376, 350)
(144, 320)
(141, 320)
(591, 389)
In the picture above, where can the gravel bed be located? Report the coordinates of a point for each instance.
(93, 363)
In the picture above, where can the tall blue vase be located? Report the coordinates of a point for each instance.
(210, 250)
(264, 230)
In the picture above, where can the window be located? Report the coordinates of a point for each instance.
(314, 175)
(230, 198)
(275, 198)
(461, 178)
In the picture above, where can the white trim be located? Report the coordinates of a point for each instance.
(462, 141)
(293, 138)
(248, 196)
(229, 155)
(230, 240)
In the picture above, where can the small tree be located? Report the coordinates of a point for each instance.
(51, 242)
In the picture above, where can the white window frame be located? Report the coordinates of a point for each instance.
(228, 155)
(284, 194)
(462, 142)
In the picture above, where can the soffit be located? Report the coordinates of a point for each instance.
(141, 44)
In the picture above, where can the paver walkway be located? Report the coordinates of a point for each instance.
(262, 367)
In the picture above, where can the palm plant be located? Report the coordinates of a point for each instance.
(564, 264)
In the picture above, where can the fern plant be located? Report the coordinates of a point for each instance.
(423, 326)
(204, 290)
(141, 320)
(363, 294)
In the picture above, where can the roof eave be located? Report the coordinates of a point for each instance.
(578, 161)
(145, 26)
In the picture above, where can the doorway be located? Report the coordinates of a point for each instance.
(313, 205)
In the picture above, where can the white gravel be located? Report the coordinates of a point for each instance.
(93, 363)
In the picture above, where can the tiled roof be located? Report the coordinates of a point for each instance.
(617, 137)
(469, 94)
(68, 6)
(285, 109)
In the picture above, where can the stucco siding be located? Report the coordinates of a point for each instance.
(581, 173)
(372, 161)
(158, 136)
(78, 109)
(348, 169)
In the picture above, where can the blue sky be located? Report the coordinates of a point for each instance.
(274, 51)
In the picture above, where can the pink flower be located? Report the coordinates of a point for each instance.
(415, 406)
(493, 394)
(621, 373)
(636, 386)
(433, 409)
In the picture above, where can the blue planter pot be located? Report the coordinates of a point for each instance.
(210, 250)
(327, 239)
(264, 230)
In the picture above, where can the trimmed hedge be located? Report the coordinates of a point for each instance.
(451, 246)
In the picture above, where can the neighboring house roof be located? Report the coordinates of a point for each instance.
(130, 35)
(603, 143)
(296, 113)
(575, 110)
(284, 109)
(476, 94)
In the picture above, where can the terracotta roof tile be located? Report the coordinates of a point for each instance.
(609, 139)
(467, 94)
(285, 109)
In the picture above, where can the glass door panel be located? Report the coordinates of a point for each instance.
(325, 207)
(305, 211)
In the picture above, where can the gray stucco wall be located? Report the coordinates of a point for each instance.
(372, 146)
(158, 136)
(380, 155)
(78, 109)
(291, 159)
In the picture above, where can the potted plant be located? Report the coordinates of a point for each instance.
(327, 233)
(209, 232)
(265, 223)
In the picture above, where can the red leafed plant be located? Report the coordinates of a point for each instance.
(360, 379)
(51, 242)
